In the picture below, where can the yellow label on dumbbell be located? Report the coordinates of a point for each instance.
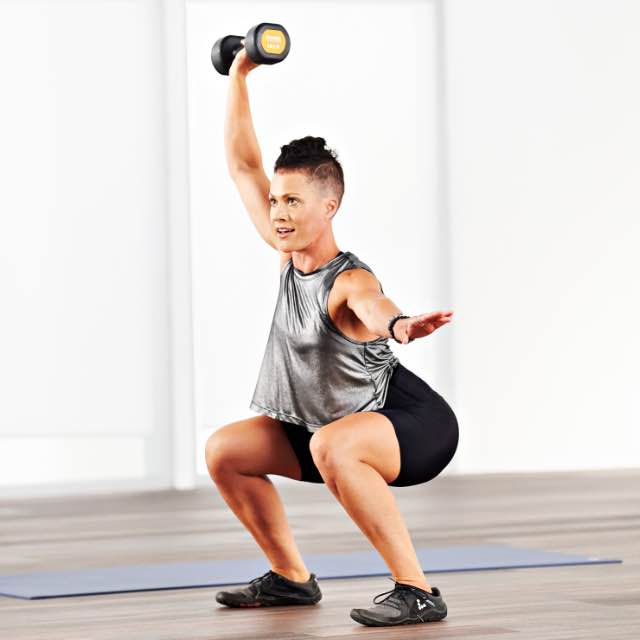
(273, 41)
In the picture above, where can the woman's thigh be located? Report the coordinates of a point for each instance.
(253, 446)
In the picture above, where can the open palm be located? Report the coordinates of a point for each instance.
(424, 324)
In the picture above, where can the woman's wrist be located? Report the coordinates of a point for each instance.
(401, 328)
(397, 327)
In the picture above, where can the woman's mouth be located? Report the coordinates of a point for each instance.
(283, 231)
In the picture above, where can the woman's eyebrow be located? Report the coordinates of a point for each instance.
(284, 194)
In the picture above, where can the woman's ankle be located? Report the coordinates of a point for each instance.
(420, 584)
(294, 576)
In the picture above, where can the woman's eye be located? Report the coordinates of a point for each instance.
(294, 199)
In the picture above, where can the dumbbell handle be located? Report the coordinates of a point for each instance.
(236, 49)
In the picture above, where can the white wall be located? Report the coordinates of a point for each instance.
(505, 189)
(544, 138)
(378, 109)
(83, 263)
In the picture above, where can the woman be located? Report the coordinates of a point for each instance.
(336, 406)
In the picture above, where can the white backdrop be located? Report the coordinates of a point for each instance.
(83, 340)
(544, 148)
(491, 167)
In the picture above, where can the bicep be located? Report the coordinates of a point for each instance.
(253, 187)
(362, 287)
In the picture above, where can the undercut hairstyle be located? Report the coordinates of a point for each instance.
(311, 156)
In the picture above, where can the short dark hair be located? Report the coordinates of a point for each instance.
(310, 155)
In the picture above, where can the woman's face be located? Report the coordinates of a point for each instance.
(297, 204)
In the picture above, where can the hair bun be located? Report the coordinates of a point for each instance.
(308, 146)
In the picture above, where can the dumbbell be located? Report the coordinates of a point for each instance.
(266, 43)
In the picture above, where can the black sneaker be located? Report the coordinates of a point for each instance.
(270, 590)
(406, 604)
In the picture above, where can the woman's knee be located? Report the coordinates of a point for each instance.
(327, 451)
(219, 450)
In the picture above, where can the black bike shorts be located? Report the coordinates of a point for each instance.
(425, 425)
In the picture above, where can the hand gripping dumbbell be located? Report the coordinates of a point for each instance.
(266, 43)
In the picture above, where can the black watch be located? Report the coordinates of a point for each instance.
(392, 321)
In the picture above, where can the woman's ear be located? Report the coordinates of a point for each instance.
(331, 207)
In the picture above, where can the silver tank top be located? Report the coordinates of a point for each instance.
(311, 373)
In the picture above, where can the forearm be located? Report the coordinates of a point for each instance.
(240, 141)
(381, 310)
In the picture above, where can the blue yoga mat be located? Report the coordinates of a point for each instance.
(214, 573)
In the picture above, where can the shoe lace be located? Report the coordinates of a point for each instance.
(265, 576)
(393, 596)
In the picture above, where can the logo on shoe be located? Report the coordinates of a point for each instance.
(422, 605)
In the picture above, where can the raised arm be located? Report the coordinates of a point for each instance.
(244, 159)
(240, 141)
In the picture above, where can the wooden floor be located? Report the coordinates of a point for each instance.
(594, 513)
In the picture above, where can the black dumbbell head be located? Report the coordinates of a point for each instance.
(224, 51)
(267, 43)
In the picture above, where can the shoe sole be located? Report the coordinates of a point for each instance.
(264, 602)
(372, 622)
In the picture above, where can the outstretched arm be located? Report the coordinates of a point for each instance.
(375, 310)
